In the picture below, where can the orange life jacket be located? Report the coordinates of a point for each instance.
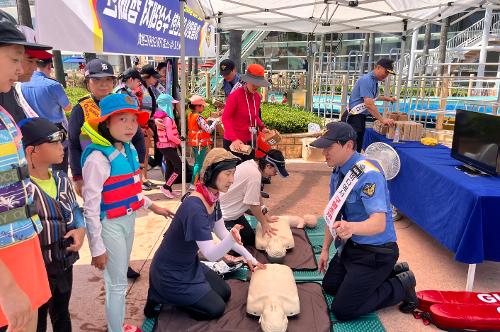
(197, 137)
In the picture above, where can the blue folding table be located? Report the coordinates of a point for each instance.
(460, 211)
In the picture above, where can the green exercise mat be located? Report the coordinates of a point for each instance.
(369, 322)
(252, 221)
(149, 325)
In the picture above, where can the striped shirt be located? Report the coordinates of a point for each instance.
(58, 215)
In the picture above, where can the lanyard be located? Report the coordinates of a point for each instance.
(254, 109)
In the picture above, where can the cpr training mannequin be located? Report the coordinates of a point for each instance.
(273, 296)
(276, 245)
(309, 221)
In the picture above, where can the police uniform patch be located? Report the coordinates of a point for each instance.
(369, 189)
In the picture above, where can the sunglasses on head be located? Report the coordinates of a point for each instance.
(58, 136)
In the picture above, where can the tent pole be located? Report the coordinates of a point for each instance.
(182, 103)
(400, 74)
(217, 58)
(413, 54)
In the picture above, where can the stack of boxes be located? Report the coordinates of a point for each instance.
(408, 130)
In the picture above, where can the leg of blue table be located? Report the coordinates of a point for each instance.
(470, 277)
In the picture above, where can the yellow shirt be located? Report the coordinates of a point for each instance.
(49, 185)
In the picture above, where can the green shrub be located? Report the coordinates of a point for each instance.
(288, 119)
(285, 119)
(75, 93)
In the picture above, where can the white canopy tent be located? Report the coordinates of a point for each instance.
(326, 16)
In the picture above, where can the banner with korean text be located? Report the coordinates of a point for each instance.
(138, 27)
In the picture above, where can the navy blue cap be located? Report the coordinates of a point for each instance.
(99, 68)
(226, 67)
(335, 132)
(276, 158)
(388, 64)
(36, 130)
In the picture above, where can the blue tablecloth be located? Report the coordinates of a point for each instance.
(460, 211)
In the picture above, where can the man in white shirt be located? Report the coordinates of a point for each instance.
(244, 194)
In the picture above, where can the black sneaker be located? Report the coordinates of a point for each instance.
(263, 194)
(131, 274)
(151, 184)
(410, 301)
(148, 185)
(400, 268)
(152, 309)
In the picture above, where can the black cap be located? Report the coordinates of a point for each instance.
(226, 67)
(161, 65)
(36, 131)
(6, 16)
(276, 158)
(387, 64)
(130, 73)
(99, 68)
(149, 70)
(335, 132)
(11, 35)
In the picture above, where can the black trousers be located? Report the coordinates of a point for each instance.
(174, 165)
(244, 157)
(58, 306)
(212, 305)
(155, 160)
(247, 233)
(361, 281)
(358, 122)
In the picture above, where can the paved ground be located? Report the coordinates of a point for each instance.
(304, 192)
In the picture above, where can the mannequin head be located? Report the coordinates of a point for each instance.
(276, 250)
(273, 318)
(310, 220)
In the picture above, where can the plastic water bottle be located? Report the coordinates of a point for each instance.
(396, 136)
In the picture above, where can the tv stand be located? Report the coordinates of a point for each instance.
(470, 170)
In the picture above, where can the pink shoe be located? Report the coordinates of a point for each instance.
(131, 328)
(167, 193)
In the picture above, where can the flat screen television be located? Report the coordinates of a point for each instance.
(476, 141)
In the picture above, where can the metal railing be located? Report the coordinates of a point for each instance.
(472, 34)
(250, 40)
(466, 38)
(428, 99)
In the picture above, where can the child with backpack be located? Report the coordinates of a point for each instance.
(168, 141)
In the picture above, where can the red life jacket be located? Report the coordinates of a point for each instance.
(197, 137)
(122, 191)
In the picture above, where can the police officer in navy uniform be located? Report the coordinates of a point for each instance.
(363, 275)
(363, 97)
